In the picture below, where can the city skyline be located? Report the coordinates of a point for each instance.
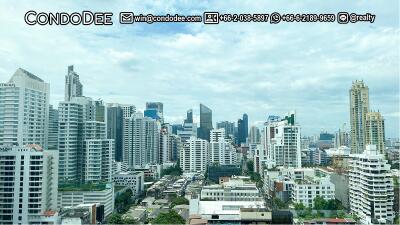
(257, 69)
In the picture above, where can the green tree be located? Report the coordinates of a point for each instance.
(172, 170)
(299, 206)
(129, 221)
(250, 166)
(171, 217)
(124, 201)
(319, 203)
(115, 218)
(179, 201)
(278, 203)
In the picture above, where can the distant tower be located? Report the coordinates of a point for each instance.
(359, 107)
(205, 122)
(375, 131)
(243, 129)
(73, 87)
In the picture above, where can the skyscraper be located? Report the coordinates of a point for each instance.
(53, 129)
(72, 115)
(28, 184)
(189, 128)
(24, 103)
(189, 116)
(205, 123)
(84, 148)
(154, 110)
(97, 153)
(243, 129)
(141, 141)
(115, 128)
(229, 128)
(359, 107)
(375, 131)
(73, 87)
(254, 135)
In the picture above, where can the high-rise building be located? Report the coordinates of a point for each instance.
(229, 128)
(154, 110)
(194, 155)
(82, 142)
(72, 115)
(28, 184)
(189, 116)
(53, 129)
(73, 87)
(221, 152)
(371, 187)
(282, 141)
(342, 138)
(140, 141)
(165, 146)
(255, 135)
(176, 146)
(359, 107)
(375, 131)
(115, 128)
(189, 128)
(205, 123)
(97, 153)
(24, 110)
(243, 129)
(101, 111)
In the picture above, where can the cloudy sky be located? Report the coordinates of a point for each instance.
(233, 68)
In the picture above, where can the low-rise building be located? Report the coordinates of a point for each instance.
(135, 180)
(74, 195)
(305, 191)
(233, 190)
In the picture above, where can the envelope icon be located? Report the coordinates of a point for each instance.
(126, 17)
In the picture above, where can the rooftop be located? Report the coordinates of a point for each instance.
(82, 187)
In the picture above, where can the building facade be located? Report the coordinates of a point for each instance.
(205, 122)
(28, 184)
(141, 141)
(359, 107)
(24, 110)
(282, 141)
(194, 155)
(73, 87)
(371, 191)
(135, 180)
(375, 131)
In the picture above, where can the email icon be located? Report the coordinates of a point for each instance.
(126, 17)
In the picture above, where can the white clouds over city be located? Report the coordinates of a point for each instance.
(253, 68)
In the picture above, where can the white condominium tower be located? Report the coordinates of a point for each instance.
(375, 131)
(359, 107)
(73, 87)
(28, 184)
(222, 151)
(193, 157)
(141, 141)
(371, 187)
(85, 152)
(24, 110)
(97, 154)
(282, 141)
